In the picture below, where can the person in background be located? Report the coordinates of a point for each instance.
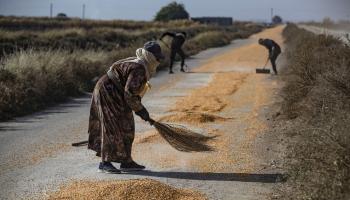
(178, 39)
(116, 95)
(274, 51)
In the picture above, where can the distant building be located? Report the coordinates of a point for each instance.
(222, 21)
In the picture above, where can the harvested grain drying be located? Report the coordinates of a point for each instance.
(247, 57)
(124, 190)
(212, 97)
(193, 118)
(148, 137)
(227, 91)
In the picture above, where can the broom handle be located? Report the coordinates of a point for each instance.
(76, 144)
(151, 121)
(80, 143)
(266, 62)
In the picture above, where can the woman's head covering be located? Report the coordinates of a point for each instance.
(150, 61)
(151, 55)
(154, 48)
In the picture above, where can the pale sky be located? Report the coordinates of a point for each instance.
(291, 10)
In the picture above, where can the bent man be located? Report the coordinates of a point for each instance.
(116, 95)
(274, 51)
(175, 48)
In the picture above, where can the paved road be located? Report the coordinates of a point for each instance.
(36, 156)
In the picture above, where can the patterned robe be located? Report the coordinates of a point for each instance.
(111, 122)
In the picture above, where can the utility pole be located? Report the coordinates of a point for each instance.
(51, 9)
(83, 16)
(271, 14)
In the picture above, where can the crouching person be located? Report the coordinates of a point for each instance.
(274, 51)
(116, 95)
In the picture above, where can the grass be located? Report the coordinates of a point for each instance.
(45, 23)
(44, 67)
(317, 105)
(100, 38)
(75, 34)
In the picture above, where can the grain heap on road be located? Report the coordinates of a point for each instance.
(211, 98)
(124, 190)
(193, 118)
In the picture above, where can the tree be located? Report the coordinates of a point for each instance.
(172, 11)
(61, 15)
(277, 19)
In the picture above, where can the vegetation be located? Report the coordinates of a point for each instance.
(62, 15)
(45, 23)
(40, 68)
(277, 19)
(173, 11)
(73, 37)
(317, 106)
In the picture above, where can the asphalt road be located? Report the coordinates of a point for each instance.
(338, 33)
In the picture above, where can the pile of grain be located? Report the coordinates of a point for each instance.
(213, 97)
(193, 118)
(127, 189)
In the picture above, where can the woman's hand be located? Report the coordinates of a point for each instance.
(143, 113)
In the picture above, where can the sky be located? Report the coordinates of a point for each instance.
(258, 10)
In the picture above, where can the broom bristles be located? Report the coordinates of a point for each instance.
(182, 138)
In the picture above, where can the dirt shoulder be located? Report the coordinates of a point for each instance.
(314, 118)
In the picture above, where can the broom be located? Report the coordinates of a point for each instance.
(179, 137)
(263, 70)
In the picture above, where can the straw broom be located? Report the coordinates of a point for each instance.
(181, 138)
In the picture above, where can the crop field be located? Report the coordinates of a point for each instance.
(44, 60)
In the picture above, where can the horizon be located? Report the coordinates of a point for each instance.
(247, 10)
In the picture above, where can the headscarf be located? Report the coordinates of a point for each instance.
(145, 58)
(149, 60)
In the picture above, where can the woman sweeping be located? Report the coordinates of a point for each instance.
(116, 95)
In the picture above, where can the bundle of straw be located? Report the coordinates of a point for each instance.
(182, 138)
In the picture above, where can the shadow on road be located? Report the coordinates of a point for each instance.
(217, 72)
(241, 177)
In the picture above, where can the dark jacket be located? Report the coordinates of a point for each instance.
(272, 46)
(178, 39)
